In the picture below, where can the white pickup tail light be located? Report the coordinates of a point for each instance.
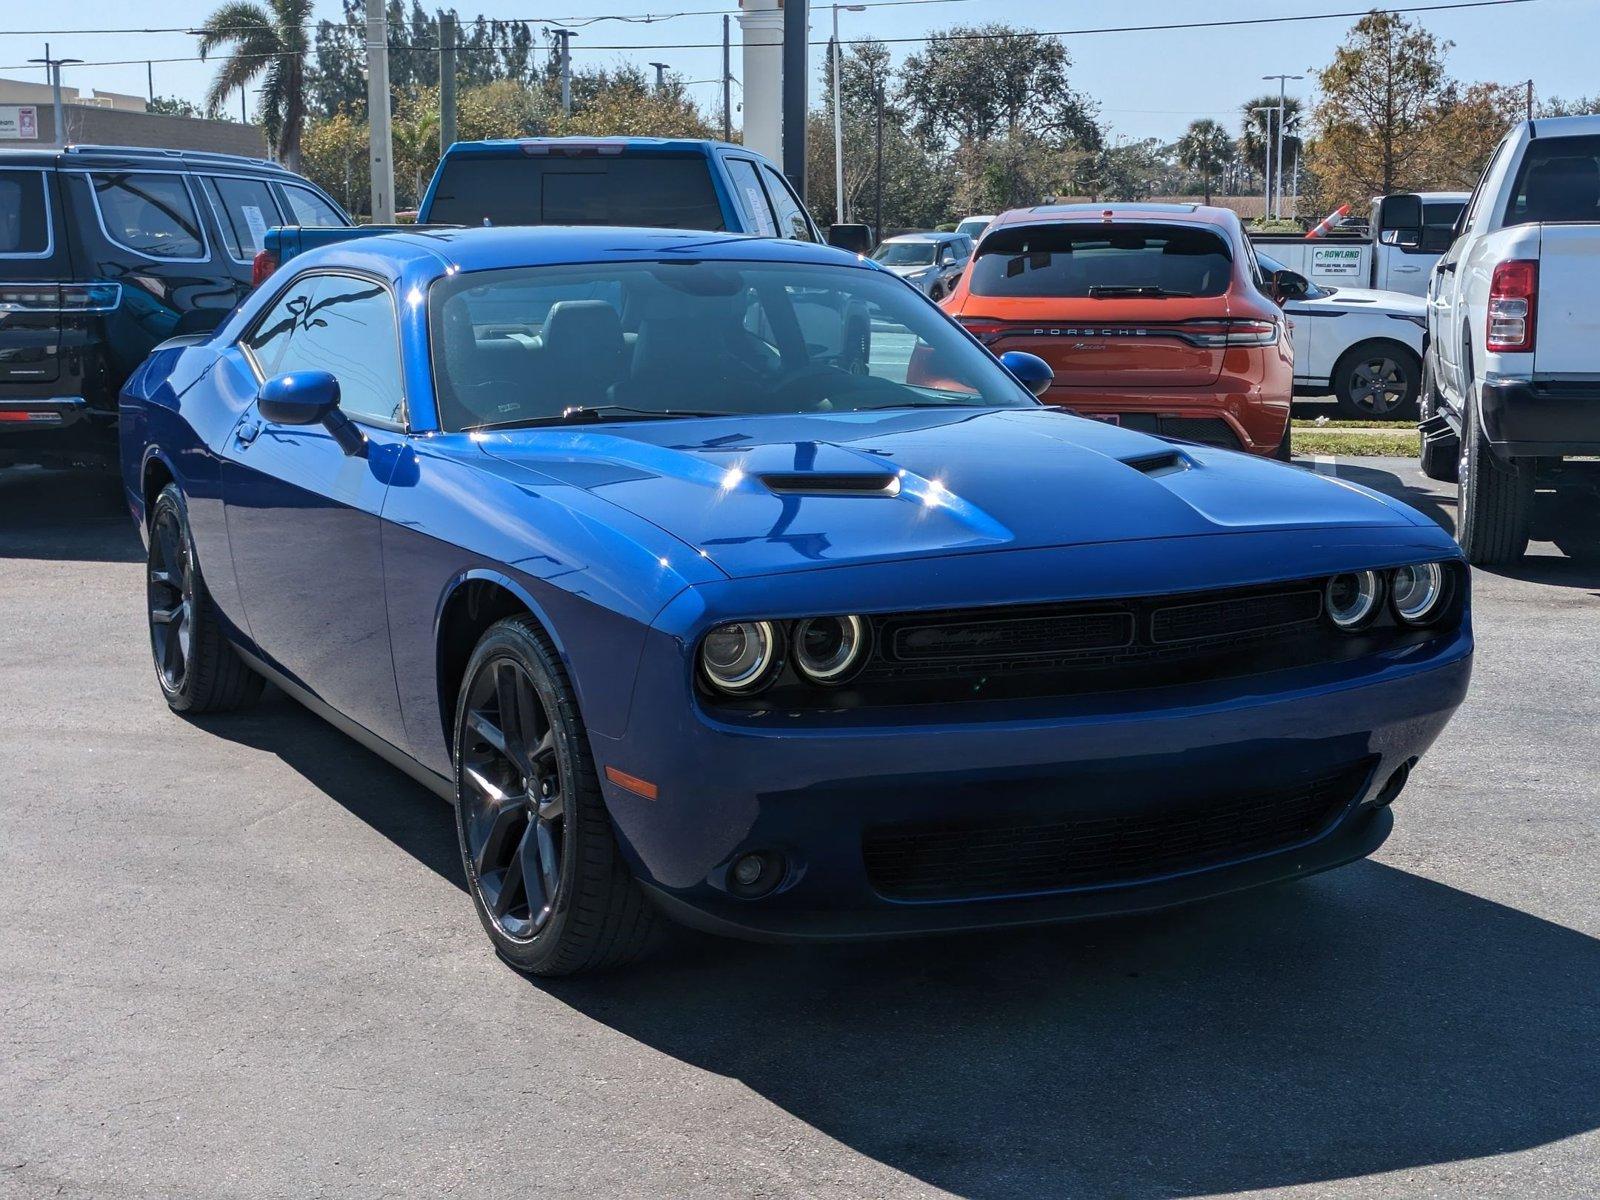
(1513, 293)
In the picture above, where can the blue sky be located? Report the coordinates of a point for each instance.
(1147, 83)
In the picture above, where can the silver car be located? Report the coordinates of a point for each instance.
(930, 262)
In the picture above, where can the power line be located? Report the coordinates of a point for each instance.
(925, 39)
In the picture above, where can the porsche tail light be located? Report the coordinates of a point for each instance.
(985, 331)
(1231, 332)
(1513, 292)
(262, 267)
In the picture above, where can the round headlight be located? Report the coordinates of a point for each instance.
(1417, 592)
(741, 657)
(1353, 598)
(828, 650)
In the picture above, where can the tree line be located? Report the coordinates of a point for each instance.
(982, 119)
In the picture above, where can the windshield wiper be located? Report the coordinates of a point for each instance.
(595, 414)
(914, 404)
(1119, 289)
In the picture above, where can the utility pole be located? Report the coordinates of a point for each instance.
(52, 67)
(727, 85)
(1266, 174)
(150, 79)
(244, 115)
(382, 160)
(661, 75)
(447, 81)
(796, 19)
(564, 49)
(1530, 99)
(1283, 112)
(836, 49)
(877, 215)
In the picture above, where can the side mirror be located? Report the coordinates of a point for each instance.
(1290, 285)
(1400, 219)
(855, 238)
(309, 398)
(1031, 371)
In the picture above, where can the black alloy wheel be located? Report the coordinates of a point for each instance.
(513, 799)
(1378, 382)
(537, 846)
(197, 667)
(171, 598)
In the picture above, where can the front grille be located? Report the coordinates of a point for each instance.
(1226, 618)
(956, 861)
(946, 641)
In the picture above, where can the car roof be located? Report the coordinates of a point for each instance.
(487, 249)
(1198, 214)
(535, 145)
(86, 155)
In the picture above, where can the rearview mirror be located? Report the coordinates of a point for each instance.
(1031, 371)
(855, 238)
(309, 398)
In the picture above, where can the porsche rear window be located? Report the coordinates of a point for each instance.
(1074, 260)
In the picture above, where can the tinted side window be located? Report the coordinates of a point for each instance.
(342, 325)
(747, 185)
(792, 221)
(308, 208)
(24, 218)
(149, 213)
(245, 210)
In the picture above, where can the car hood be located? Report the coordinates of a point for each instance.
(759, 495)
(904, 270)
(1398, 303)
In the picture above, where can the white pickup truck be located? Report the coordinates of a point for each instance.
(1406, 234)
(1511, 374)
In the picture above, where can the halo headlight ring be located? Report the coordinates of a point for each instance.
(1353, 599)
(828, 651)
(1419, 592)
(740, 658)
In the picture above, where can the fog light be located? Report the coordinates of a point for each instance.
(755, 874)
(1393, 785)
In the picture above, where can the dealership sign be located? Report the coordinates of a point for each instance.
(19, 122)
(1336, 261)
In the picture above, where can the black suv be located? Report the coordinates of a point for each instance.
(106, 251)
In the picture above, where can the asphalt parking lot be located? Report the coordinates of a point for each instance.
(236, 960)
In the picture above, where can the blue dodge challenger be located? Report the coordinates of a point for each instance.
(727, 580)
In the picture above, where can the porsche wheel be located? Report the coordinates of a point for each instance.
(1378, 381)
(199, 671)
(537, 847)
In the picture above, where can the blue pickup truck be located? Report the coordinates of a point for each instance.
(668, 183)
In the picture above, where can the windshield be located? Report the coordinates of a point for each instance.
(904, 254)
(625, 341)
(653, 190)
(1105, 261)
(973, 226)
(1271, 266)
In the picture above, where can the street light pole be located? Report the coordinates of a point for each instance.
(727, 77)
(52, 68)
(1283, 112)
(565, 36)
(838, 118)
(661, 74)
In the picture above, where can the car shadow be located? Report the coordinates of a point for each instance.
(1362, 1021)
(59, 515)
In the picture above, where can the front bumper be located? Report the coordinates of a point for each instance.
(813, 789)
(1529, 419)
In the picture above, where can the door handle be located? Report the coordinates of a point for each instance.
(247, 433)
(1407, 270)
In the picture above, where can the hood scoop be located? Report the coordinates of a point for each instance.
(1163, 462)
(831, 483)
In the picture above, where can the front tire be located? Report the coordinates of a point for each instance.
(1439, 456)
(1377, 381)
(540, 856)
(198, 669)
(1494, 499)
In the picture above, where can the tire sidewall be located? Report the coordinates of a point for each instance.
(170, 498)
(511, 640)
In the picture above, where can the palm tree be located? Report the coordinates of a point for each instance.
(1206, 149)
(264, 40)
(1261, 130)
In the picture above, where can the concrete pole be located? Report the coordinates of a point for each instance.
(564, 37)
(761, 32)
(382, 161)
(796, 25)
(447, 81)
(661, 75)
(838, 127)
(727, 86)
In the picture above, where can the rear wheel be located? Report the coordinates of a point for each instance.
(1495, 499)
(540, 855)
(199, 671)
(1378, 381)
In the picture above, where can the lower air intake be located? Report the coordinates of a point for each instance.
(949, 862)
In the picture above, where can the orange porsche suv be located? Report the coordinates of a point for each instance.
(1153, 316)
